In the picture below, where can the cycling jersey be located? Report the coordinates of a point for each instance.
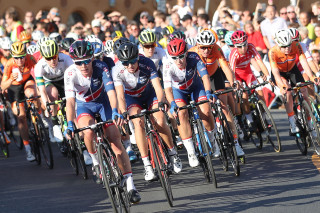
(183, 79)
(226, 51)
(211, 61)
(87, 89)
(11, 66)
(44, 73)
(285, 62)
(242, 62)
(307, 54)
(109, 61)
(157, 56)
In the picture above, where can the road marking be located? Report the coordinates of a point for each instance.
(316, 161)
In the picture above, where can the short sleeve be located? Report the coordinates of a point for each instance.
(69, 88)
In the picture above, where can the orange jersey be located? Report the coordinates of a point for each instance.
(212, 61)
(282, 61)
(26, 72)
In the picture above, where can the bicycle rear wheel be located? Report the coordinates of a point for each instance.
(161, 162)
(113, 180)
(72, 157)
(271, 128)
(301, 136)
(80, 157)
(3, 145)
(10, 129)
(44, 142)
(34, 144)
(206, 153)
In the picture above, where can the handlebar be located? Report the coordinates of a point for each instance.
(187, 107)
(143, 113)
(29, 99)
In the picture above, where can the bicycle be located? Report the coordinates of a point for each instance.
(203, 145)
(224, 137)
(263, 122)
(159, 156)
(112, 177)
(38, 132)
(301, 110)
(74, 146)
(315, 108)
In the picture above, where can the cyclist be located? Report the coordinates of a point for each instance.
(88, 84)
(226, 49)
(137, 84)
(284, 68)
(181, 79)
(240, 59)
(19, 82)
(218, 70)
(221, 36)
(165, 35)
(65, 45)
(5, 51)
(25, 37)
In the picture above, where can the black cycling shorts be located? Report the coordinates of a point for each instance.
(59, 85)
(16, 92)
(217, 80)
(294, 76)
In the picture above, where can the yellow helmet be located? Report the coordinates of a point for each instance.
(18, 49)
(116, 33)
(49, 48)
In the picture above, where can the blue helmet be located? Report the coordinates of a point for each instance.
(227, 38)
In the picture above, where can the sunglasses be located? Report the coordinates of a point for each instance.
(52, 58)
(283, 13)
(206, 47)
(178, 57)
(132, 61)
(285, 46)
(85, 62)
(20, 57)
(149, 46)
(290, 12)
(241, 45)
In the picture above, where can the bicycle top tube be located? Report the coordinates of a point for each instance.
(193, 104)
(217, 93)
(255, 86)
(93, 126)
(144, 112)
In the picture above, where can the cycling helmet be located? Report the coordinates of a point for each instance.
(177, 34)
(42, 40)
(25, 37)
(49, 48)
(6, 43)
(177, 47)
(37, 35)
(227, 38)
(206, 37)
(221, 33)
(295, 35)
(32, 49)
(119, 42)
(283, 38)
(239, 37)
(116, 33)
(158, 36)
(127, 51)
(18, 49)
(66, 43)
(98, 47)
(90, 38)
(147, 37)
(167, 30)
(56, 36)
(81, 50)
(108, 47)
(191, 41)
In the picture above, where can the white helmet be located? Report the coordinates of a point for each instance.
(295, 35)
(5, 43)
(191, 41)
(37, 35)
(90, 38)
(56, 36)
(206, 37)
(109, 47)
(42, 40)
(283, 38)
(32, 49)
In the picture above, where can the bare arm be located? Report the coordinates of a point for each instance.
(227, 71)
(121, 98)
(70, 109)
(266, 41)
(158, 89)
(112, 99)
(206, 82)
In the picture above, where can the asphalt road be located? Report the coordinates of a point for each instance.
(269, 182)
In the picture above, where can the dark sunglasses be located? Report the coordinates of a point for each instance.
(149, 46)
(283, 13)
(241, 45)
(86, 62)
(178, 57)
(52, 58)
(286, 46)
(21, 57)
(132, 61)
(206, 47)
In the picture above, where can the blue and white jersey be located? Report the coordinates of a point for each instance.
(87, 89)
(183, 78)
(135, 84)
(157, 57)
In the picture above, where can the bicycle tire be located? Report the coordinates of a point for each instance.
(315, 140)
(44, 142)
(9, 130)
(223, 157)
(110, 181)
(80, 157)
(35, 144)
(161, 166)
(204, 144)
(274, 140)
(301, 137)
(72, 157)
(3, 145)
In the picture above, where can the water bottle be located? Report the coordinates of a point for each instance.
(16, 70)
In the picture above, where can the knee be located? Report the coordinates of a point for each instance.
(88, 134)
(138, 123)
(183, 115)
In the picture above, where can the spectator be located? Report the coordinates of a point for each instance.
(316, 44)
(14, 26)
(283, 14)
(292, 16)
(175, 18)
(99, 15)
(304, 35)
(107, 35)
(316, 56)
(200, 10)
(316, 8)
(54, 12)
(124, 22)
(29, 17)
(244, 18)
(182, 8)
(160, 20)
(304, 18)
(151, 24)
(190, 32)
(195, 21)
(28, 27)
(203, 20)
(96, 29)
(144, 20)
(57, 20)
(271, 25)
(62, 30)
(135, 31)
(255, 38)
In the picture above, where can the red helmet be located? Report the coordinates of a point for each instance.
(239, 37)
(176, 47)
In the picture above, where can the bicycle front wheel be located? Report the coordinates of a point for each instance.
(270, 126)
(80, 158)
(161, 162)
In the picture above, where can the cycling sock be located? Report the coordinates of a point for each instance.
(292, 119)
(211, 136)
(25, 142)
(146, 161)
(172, 151)
(249, 117)
(94, 157)
(188, 144)
(54, 120)
(127, 145)
(27, 147)
(130, 184)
